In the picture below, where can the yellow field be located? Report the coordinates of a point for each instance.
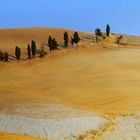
(8, 136)
(102, 80)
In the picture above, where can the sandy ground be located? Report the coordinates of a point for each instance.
(52, 121)
(101, 78)
(51, 128)
(108, 76)
(9, 38)
(128, 128)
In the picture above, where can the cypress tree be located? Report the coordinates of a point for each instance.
(66, 39)
(54, 44)
(76, 37)
(17, 53)
(98, 33)
(33, 47)
(29, 51)
(50, 43)
(107, 30)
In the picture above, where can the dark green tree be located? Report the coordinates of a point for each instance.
(66, 39)
(107, 30)
(50, 43)
(33, 47)
(54, 44)
(29, 51)
(17, 53)
(97, 33)
(76, 37)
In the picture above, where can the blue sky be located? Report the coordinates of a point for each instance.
(122, 15)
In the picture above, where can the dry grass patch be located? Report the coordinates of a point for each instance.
(9, 136)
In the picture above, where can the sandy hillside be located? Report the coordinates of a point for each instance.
(11, 37)
(21, 37)
(106, 80)
(103, 78)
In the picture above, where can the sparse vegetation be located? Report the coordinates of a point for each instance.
(53, 44)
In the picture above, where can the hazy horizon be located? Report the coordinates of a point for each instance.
(121, 15)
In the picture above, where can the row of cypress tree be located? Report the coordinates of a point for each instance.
(31, 49)
(74, 39)
(52, 43)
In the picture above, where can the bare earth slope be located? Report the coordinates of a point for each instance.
(97, 79)
(105, 80)
(9, 38)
